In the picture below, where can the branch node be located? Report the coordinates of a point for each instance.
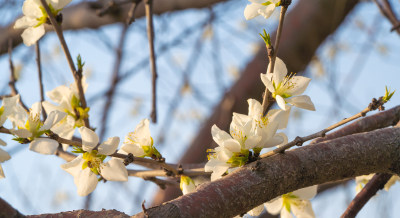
(129, 159)
(299, 141)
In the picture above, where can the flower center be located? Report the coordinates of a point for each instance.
(93, 160)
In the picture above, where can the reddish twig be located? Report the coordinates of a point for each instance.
(370, 189)
(150, 35)
(77, 74)
(13, 80)
(39, 67)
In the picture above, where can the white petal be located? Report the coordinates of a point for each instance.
(267, 82)
(257, 210)
(73, 167)
(59, 4)
(286, 214)
(49, 107)
(278, 140)
(31, 8)
(281, 102)
(280, 116)
(142, 129)
(86, 182)
(44, 146)
(135, 149)
(306, 193)
(3, 143)
(2, 176)
(59, 93)
(89, 138)
(186, 189)
(219, 136)
(255, 109)
(232, 145)
(274, 206)
(53, 118)
(114, 170)
(302, 101)
(110, 146)
(267, 11)
(251, 11)
(297, 85)
(280, 71)
(4, 156)
(218, 172)
(22, 133)
(252, 141)
(25, 22)
(32, 34)
(303, 209)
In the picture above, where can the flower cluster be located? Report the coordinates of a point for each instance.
(86, 168)
(251, 133)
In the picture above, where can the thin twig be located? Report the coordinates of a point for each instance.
(272, 52)
(150, 35)
(132, 10)
(77, 74)
(375, 104)
(114, 83)
(387, 11)
(13, 80)
(39, 67)
(370, 189)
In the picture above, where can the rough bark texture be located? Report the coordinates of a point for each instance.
(364, 153)
(83, 15)
(306, 27)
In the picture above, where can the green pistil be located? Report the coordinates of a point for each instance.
(1, 110)
(239, 159)
(44, 18)
(93, 161)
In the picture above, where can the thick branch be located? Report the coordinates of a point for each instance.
(259, 182)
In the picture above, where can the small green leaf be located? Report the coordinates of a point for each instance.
(80, 63)
(388, 94)
(266, 3)
(266, 37)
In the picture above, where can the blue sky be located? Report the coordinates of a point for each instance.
(36, 184)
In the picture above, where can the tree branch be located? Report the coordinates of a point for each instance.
(261, 181)
(84, 15)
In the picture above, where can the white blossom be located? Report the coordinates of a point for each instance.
(30, 127)
(11, 109)
(260, 7)
(187, 184)
(297, 202)
(34, 18)
(86, 167)
(266, 126)
(140, 142)
(287, 88)
(229, 153)
(67, 100)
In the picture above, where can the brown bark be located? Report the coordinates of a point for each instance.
(83, 15)
(360, 154)
(306, 27)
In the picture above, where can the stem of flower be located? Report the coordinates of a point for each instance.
(375, 104)
(267, 99)
(77, 75)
